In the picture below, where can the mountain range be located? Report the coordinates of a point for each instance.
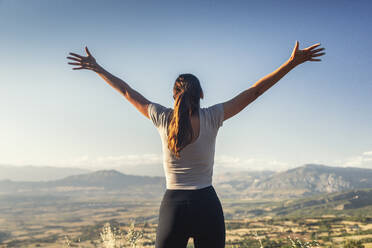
(309, 179)
(305, 180)
(312, 178)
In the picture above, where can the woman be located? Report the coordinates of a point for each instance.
(190, 206)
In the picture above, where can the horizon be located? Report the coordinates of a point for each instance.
(319, 113)
(221, 170)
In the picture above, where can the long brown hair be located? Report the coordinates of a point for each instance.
(186, 94)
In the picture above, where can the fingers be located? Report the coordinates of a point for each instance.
(83, 67)
(77, 55)
(296, 45)
(87, 51)
(70, 63)
(317, 55)
(312, 47)
(317, 50)
(74, 59)
(85, 62)
(315, 60)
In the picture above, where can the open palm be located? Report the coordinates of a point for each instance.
(84, 62)
(307, 54)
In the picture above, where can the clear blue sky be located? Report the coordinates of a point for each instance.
(321, 112)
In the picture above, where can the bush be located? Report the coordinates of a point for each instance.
(115, 238)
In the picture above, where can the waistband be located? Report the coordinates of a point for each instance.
(189, 194)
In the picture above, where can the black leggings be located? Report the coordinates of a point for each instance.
(190, 213)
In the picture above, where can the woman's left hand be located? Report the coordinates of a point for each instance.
(85, 62)
(307, 54)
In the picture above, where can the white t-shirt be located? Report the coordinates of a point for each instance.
(194, 168)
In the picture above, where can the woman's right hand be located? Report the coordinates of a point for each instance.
(85, 62)
(299, 56)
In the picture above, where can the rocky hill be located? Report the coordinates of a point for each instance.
(313, 178)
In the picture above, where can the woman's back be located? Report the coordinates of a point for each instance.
(194, 168)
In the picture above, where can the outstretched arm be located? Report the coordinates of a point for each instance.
(238, 103)
(89, 62)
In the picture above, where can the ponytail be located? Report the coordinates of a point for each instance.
(187, 98)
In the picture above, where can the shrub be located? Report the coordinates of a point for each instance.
(115, 238)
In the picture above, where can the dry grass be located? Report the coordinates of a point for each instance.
(115, 238)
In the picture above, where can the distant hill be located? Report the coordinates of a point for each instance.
(314, 178)
(37, 173)
(238, 184)
(307, 180)
(95, 182)
(108, 179)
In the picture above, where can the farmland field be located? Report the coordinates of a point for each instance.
(46, 221)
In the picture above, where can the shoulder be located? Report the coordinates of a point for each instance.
(214, 115)
(158, 113)
(154, 108)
